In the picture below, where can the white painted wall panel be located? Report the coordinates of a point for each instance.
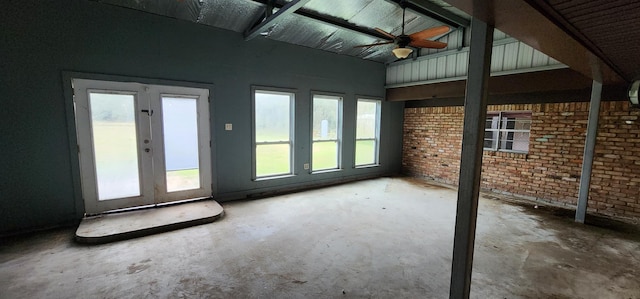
(407, 73)
(400, 74)
(498, 35)
(508, 55)
(415, 71)
(525, 56)
(462, 63)
(424, 69)
(510, 61)
(451, 66)
(539, 59)
(497, 58)
(454, 40)
(442, 67)
(390, 75)
(432, 70)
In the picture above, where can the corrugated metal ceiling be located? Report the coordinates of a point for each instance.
(239, 15)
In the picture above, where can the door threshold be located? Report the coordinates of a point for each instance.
(143, 222)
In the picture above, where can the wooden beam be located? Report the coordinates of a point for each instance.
(436, 12)
(553, 80)
(328, 20)
(289, 8)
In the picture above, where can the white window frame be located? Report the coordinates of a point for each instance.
(498, 129)
(337, 140)
(292, 98)
(375, 139)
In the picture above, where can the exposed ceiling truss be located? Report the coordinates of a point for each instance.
(312, 15)
(337, 26)
(421, 7)
(271, 18)
(436, 12)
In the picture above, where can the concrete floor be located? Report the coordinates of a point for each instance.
(381, 238)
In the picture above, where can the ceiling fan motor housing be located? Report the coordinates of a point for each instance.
(403, 40)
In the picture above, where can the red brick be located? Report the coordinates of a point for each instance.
(436, 134)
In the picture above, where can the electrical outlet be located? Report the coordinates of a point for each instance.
(306, 166)
(228, 127)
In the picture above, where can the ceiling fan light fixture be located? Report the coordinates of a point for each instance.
(402, 52)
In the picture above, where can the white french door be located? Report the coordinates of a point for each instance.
(141, 144)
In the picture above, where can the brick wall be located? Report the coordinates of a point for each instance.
(551, 170)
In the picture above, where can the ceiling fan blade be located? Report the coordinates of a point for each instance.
(387, 34)
(429, 33)
(429, 44)
(376, 44)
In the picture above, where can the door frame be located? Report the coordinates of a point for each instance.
(67, 77)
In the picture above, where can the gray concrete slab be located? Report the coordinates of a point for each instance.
(136, 223)
(381, 238)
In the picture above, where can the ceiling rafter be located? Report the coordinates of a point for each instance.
(422, 7)
(558, 19)
(434, 11)
(288, 8)
(329, 20)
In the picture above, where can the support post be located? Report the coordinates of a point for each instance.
(475, 113)
(589, 149)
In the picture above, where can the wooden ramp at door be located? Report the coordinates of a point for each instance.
(137, 223)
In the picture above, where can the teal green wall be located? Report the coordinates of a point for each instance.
(42, 40)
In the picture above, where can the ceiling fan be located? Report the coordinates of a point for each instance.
(416, 40)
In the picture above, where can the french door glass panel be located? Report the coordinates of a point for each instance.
(180, 125)
(115, 145)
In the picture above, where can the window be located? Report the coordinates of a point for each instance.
(273, 131)
(507, 131)
(367, 132)
(327, 122)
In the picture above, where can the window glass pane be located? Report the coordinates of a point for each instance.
(272, 159)
(365, 152)
(517, 121)
(508, 131)
(325, 117)
(515, 141)
(366, 120)
(273, 114)
(491, 122)
(180, 128)
(115, 145)
(325, 155)
(490, 139)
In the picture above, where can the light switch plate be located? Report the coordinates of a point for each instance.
(306, 166)
(228, 127)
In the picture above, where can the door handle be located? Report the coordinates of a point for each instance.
(149, 112)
